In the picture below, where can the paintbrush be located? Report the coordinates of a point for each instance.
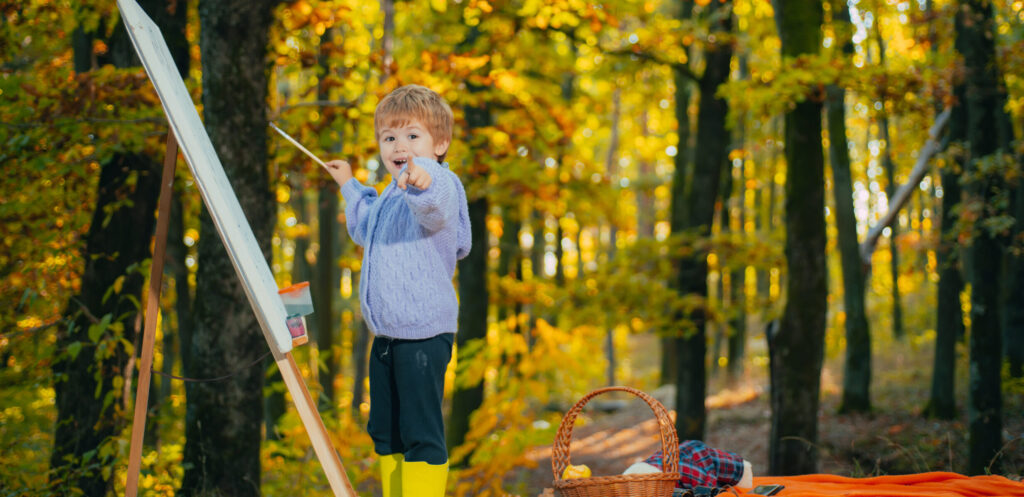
(297, 144)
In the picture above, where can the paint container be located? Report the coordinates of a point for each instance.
(297, 303)
(297, 327)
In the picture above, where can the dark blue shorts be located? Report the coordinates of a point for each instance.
(406, 391)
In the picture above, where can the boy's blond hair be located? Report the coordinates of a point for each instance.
(415, 102)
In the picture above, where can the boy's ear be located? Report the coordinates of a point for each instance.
(441, 148)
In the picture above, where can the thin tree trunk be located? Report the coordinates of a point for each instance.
(327, 276)
(949, 325)
(508, 261)
(949, 322)
(472, 317)
(692, 276)
(857, 366)
(611, 168)
(680, 183)
(737, 341)
(360, 355)
(645, 209)
(559, 255)
(326, 287)
(798, 346)
(894, 253)
(177, 253)
(473, 295)
(223, 419)
(890, 191)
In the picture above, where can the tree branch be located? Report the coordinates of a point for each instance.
(899, 199)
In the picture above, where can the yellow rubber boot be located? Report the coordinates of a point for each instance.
(391, 474)
(420, 479)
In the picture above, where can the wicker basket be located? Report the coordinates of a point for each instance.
(635, 485)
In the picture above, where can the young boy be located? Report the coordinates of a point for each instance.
(412, 235)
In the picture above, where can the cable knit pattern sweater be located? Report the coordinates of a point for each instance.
(411, 240)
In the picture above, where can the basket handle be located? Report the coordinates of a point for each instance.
(669, 439)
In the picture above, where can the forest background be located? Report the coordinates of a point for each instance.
(662, 193)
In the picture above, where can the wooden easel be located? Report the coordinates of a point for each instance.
(310, 417)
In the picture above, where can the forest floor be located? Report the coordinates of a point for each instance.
(893, 439)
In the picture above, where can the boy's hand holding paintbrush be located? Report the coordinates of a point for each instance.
(340, 170)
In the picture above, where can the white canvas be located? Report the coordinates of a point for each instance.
(252, 269)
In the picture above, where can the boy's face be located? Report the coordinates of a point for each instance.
(400, 143)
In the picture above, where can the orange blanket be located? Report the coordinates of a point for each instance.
(935, 484)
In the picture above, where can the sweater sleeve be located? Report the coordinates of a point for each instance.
(437, 206)
(358, 199)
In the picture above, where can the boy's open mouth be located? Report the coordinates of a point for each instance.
(400, 163)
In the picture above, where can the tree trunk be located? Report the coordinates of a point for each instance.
(473, 294)
(890, 192)
(798, 346)
(737, 339)
(949, 325)
(559, 255)
(949, 322)
(692, 272)
(975, 39)
(646, 214)
(360, 357)
(177, 253)
(327, 278)
(680, 182)
(326, 287)
(611, 168)
(223, 419)
(86, 393)
(894, 253)
(857, 367)
(508, 263)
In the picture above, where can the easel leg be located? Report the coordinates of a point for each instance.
(314, 426)
(156, 272)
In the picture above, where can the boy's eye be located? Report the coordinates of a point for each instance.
(389, 138)
(413, 137)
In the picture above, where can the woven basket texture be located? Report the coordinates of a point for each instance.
(634, 485)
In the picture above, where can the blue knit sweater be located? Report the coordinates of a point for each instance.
(411, 240)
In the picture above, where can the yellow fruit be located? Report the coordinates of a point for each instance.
(576, 471)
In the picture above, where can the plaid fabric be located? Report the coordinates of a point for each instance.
(703, 466)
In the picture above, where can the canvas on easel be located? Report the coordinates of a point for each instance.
(245, 254)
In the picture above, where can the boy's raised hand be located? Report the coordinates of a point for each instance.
(340, 170)
(416, 176)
